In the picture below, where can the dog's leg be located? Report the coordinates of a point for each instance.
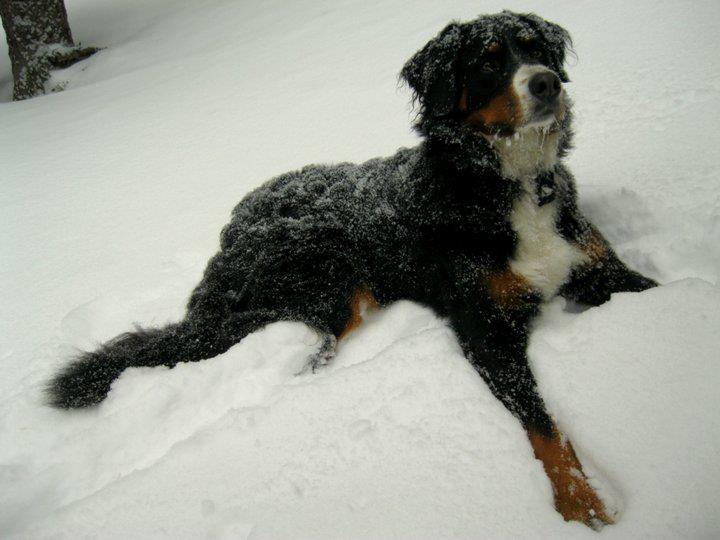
(494, 334)
(575, 499)
(361, 301)
(603, 274)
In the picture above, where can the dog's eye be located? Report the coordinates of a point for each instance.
(490, 62)
(532, 47)
(489, 59)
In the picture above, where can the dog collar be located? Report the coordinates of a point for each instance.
(545, 188)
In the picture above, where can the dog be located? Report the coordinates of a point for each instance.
(479, 222)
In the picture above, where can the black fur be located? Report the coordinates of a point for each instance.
(429, 224)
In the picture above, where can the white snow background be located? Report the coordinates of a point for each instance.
(112, 195)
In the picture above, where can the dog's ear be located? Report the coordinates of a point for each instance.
(431, 72)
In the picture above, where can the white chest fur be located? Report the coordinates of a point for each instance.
(542, 256)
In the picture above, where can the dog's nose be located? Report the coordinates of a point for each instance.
(545, 86)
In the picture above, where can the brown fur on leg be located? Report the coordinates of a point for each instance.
(575, 499)
(361, 301)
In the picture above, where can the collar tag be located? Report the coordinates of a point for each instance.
(545, 188)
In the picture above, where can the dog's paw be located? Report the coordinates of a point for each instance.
(577, 500)
(636, 282)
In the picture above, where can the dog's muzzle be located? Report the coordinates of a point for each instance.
(541, 95)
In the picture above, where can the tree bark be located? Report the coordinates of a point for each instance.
(39, 40)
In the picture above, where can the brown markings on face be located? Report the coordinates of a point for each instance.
(594, 246)
(361, 301)
(508, 289)
(575, 499)
(501, 115)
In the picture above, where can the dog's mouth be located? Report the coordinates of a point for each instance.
(546, 116)
(545, 113)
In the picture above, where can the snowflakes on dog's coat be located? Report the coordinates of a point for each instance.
(479, 222)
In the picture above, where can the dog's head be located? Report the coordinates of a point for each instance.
(498, 73)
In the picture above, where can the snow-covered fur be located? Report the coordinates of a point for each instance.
(478, 222)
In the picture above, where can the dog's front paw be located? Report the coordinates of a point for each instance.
(577, 500)
(636, 282)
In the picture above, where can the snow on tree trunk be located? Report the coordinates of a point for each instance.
(39, 40)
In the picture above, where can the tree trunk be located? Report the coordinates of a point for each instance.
(39, 39)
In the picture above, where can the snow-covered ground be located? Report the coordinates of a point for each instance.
(113, 193)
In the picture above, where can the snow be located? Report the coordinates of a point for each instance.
(115, 191)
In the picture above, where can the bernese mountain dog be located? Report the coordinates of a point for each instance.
(479, 222)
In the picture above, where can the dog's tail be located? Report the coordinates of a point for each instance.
(87, 379)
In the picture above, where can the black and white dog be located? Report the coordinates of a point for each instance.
(479, 222)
